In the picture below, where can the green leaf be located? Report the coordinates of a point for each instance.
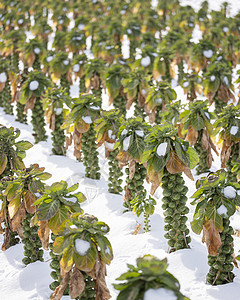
(23, 145)
(159, 163)
(198, 122)
(13, 190)
(47, 210)
(67, 260)
(58, 186)
(73, 188)
(105, 248)
(61, 243)
(131, 292)
(193, 157)
(60, 216)
(136, 146)
(87, 262)
(44, 176)
(150, 265)
(211, 214)
(80, 197)
(180, 154)
(149, 209)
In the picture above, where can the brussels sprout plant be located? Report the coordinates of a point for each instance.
(216, 200)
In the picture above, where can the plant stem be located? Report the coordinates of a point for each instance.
(175, 209)
(114, 185)
(38, 121)
(90, 154)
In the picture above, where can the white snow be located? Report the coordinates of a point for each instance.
(129, 31)
(73, 227)
(185, 84)
(110, 132)
(207, 114)
(225, 80)
(107, 250)
(159, 294)
(87, 119)
(81, 26)
(238, 192)
(20, 21)
(58, 111)
(94, 107)
(76, 68)
(225, 29)
(161, 149)
(126, 143)
(3, 77)
(234, 130)
(212, 78)
(33, 85)
(145, 61)
(124, 132)
(37, 50)
(144, 92)
(139, 133)
(49, 58)
(189, 266)
(208, 53)
(229, 192)
(109, 145)
(222, 210)
(82, 246)
(66, 62)
(72, 199)
(158, 100)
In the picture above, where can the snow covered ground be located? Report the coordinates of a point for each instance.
(189, 266)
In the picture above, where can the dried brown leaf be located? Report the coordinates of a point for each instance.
(58, 293)
(30, 59)
(76, 284)
(52, 122)
(129, 102)
(192, 135)
(82, 126)
(226, 151)
(123, 158)
(43, 233)
(127, 194)
(174, 164)
(30, 103)
(155, 178)
(211, 237)
(16, 221)
(29, 198)
(2, 85)
(102, 292)
(188, 173)
(131, 169)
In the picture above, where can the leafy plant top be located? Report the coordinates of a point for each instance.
(216, 198)
(150, 273)
(12, 152)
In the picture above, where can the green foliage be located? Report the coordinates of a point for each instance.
(212, 194)
(28, 92)
(11, 152)
(150, 273)
(60, 64)
(227, 121)
(198, 116)
(141, 205)
(166, 136)
(56, 204)
(132, 130)
(159, 95)
(113, 79)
